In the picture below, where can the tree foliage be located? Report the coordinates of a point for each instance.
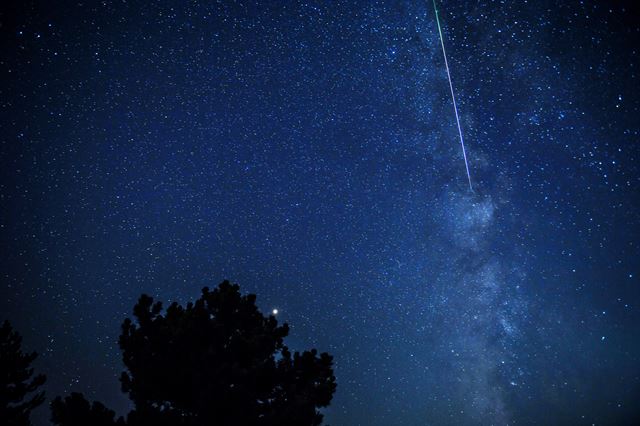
(218, 361)
(16, 380)
(75, 410)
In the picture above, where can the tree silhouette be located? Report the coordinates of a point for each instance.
(218, 361)
(16, 380)
(75, 410)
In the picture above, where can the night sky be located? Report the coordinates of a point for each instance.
(308, 151)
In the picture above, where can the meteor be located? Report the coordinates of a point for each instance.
(453, 97)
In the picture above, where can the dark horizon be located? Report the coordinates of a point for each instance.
(309, 152)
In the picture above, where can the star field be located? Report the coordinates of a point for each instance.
(308, 151)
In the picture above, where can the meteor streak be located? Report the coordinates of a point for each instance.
(453, 97)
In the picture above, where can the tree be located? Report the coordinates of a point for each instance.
(75, 410)
(16, 380)
(218, 361)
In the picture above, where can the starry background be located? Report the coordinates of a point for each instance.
(308, 151)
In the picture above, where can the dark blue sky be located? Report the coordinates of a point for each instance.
(308, 152)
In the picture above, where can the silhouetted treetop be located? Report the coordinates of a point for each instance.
(75, 410)
(16, 380)
(218, 361)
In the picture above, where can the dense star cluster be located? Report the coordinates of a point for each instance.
(308, 151)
